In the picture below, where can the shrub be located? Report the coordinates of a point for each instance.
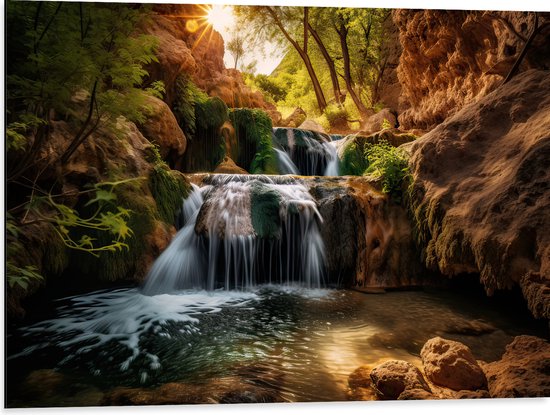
(391, 165)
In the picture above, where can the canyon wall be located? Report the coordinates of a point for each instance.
(189, 45)
(452, 58)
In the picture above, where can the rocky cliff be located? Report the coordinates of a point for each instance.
(189, 45)
(452, 58)
(480, 194)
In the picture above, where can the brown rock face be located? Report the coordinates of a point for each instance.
(452, 365)
(523, 371)
(188, 45)
(162, 129)
(228, 166)
(376, 122)
(481, 195)
(394, 377)
(365, 234)
(452, 58)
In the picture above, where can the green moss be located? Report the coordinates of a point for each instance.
(353, 161)
(265, 204)
(168, 188)
(201, 118)
(254, 128)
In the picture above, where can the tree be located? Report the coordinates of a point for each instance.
(59, 51)
(284, 24)
(236, 48)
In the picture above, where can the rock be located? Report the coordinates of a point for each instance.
(374, 248)
(360, 377)
(415, 394)
(222, 390)
(312, 126)
(43, 382)
(381, 120)
(452, 58)
(480, 197)
(523, 371)
(162, 129)
(451, 364)
(295, 119)
(228, 166)
(466, 394)
(393, 377)
(196, 53)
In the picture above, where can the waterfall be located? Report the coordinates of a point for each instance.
(311, 152)
(286, 165)
(239, 231)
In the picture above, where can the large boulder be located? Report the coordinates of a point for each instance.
(379, 121)
(481, 198)
(452, 58)
(162, 129)
(523, 371)
(392, 378)
(452, 365)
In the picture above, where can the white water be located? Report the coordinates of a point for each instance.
(219, 248)
(286, 165)
(317, 157)
(333, 161)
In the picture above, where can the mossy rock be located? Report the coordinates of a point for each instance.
(254, 129)
(169, 188)
(265, 204)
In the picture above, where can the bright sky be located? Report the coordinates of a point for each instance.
(223, 20)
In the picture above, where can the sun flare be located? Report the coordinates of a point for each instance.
(220, 17)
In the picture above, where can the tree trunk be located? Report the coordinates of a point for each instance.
(321, 101)
(338, 95)
(343, 34)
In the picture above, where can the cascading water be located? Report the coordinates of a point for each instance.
(241, 231)
(308, 152)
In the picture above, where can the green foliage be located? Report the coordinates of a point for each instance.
(105, 217)
(210, 112)
(112, 265)
(168, 189)
(59, 51)
(157, 89)
(254, 128)
(386, 125)
(201, 118)
(265, 203)
(272, 88)
(391, 165)
(187, 93)
(352, 161)
(336, 116)
(21, 276)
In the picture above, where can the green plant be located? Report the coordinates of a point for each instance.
(336, 116)
(391, 165)
(254, 128)
(386, 125)
(353, 161)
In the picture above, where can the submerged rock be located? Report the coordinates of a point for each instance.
(452, 365)
(523, 371)
(394, 377)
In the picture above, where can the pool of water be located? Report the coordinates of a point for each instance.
(299, 344)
